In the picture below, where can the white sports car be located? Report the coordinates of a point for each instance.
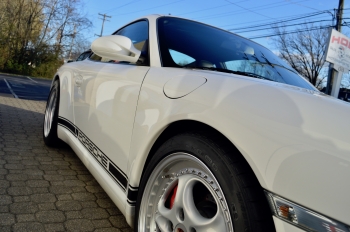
(191, 128)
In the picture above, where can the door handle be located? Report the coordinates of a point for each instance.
(79, 80)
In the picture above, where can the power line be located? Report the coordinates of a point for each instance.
(281, 26)
(290, 32)
(346, 24)
(281, 18)
(245, 29)
(210, 8)
(151, 8)
(248, 9)
(301, 5)
(294, 17)
(261, 7)
(281, 21)
(117, 8)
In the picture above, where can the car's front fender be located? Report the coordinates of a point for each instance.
(294, 140)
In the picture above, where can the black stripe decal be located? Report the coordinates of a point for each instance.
(107, 164)
(103, 160)
(133, 188)
(132, 194)
(131, 203)
(66, 127)
(115, 172)
(67, 124)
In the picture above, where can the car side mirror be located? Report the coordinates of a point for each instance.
(116, 47)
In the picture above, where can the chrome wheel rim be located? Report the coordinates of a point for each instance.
(50, 112)
(186, 211)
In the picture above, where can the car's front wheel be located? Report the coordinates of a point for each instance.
(194, 183)
(51, 116)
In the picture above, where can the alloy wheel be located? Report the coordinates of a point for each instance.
(50, 112)
(183, 195)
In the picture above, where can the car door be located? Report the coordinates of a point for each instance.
(112, 105)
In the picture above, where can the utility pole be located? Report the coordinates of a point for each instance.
(333, 74)
(103, 22)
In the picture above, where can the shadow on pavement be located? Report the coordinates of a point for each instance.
(43, 188)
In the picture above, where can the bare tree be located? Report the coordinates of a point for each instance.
(38, 33)
(304, 50)
(19, 26)
(345, 83)
(80, 45)
(63, 21)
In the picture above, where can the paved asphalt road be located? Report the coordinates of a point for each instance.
(24, 87)
(44, 188)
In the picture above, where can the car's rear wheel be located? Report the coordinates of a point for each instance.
(193, 184)
(51, 116)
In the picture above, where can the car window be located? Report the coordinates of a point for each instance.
(258, 68)
(81, 57)
(95, 57)
(206, 47)
(86, 55)
(180, 58)
(138, 34)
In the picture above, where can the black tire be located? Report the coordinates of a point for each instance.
(228, 180)
(51, 116)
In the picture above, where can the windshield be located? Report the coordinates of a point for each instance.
(188, 44)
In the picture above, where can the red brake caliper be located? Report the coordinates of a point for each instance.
(171, 200)
(172, 197)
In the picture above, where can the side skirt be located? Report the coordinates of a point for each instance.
(107, 174)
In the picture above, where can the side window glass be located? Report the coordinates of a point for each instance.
(138, 33)
(80, 57)
(261, 69)
(180, 58)
(95, 57)
(86, 55)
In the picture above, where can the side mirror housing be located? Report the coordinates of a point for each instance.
(116, 47)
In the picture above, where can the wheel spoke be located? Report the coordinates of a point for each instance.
(166, 212)
(163, 224)
(183, 198)
(47, 119)
(184, 187)
(217, 223)
(189, 198)
(49, 112)
(45, 122)
(52, 112)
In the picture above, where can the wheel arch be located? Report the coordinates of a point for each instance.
(66, 104)
(56, 77)
(187, 125)
(181, 126)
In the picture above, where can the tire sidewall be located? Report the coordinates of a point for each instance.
(51, 139)
(214, 159)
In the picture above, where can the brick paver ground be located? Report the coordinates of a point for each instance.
(42, 188)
